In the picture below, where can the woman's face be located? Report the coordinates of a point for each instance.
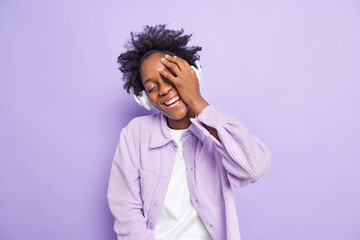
(162, 93)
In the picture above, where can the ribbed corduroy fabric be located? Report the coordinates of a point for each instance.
(145, 156)
(178, 218)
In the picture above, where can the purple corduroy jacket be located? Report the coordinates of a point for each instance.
(144, 159)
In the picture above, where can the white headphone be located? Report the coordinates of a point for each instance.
(144, 100)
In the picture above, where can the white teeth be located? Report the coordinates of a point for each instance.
(174, 99)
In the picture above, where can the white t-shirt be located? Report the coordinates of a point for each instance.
(178, 218)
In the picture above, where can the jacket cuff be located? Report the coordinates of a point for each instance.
(211, 117)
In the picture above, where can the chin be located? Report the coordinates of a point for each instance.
(179, 114)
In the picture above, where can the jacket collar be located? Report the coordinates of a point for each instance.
(160, 133)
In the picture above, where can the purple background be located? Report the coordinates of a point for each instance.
(289, 70)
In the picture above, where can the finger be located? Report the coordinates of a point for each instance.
(181, 63)
(167, 75)
(173, 67)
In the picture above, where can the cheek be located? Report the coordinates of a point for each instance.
(153, 98)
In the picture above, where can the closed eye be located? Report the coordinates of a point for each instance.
(152, 89)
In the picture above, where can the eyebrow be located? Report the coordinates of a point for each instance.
(149, 79)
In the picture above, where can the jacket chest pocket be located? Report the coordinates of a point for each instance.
(148, 180)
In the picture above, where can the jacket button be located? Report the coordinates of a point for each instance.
(196, 201)
(210, 225)
(189, 143)
(191, 168)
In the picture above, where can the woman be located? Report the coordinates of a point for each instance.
(172, 171)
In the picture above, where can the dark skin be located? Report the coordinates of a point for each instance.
(166, 78)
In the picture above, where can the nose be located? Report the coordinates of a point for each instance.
(165, 87)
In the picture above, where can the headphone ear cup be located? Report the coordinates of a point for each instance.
(197, 70)
(143, 100)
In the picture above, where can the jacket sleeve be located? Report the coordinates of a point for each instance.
(244, 157)
(123, 193)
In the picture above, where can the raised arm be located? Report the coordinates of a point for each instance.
(245, 157)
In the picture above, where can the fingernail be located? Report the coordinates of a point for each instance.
(159, 69)
(162, 59)
(167, 56)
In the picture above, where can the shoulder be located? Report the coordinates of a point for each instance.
(143, 121)
(138, 124)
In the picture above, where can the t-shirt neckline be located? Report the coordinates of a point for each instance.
(176, 132)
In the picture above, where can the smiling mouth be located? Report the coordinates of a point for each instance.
(172, 102)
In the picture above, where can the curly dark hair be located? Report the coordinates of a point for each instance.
(152, 37)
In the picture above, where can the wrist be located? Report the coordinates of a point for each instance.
(197, 105)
